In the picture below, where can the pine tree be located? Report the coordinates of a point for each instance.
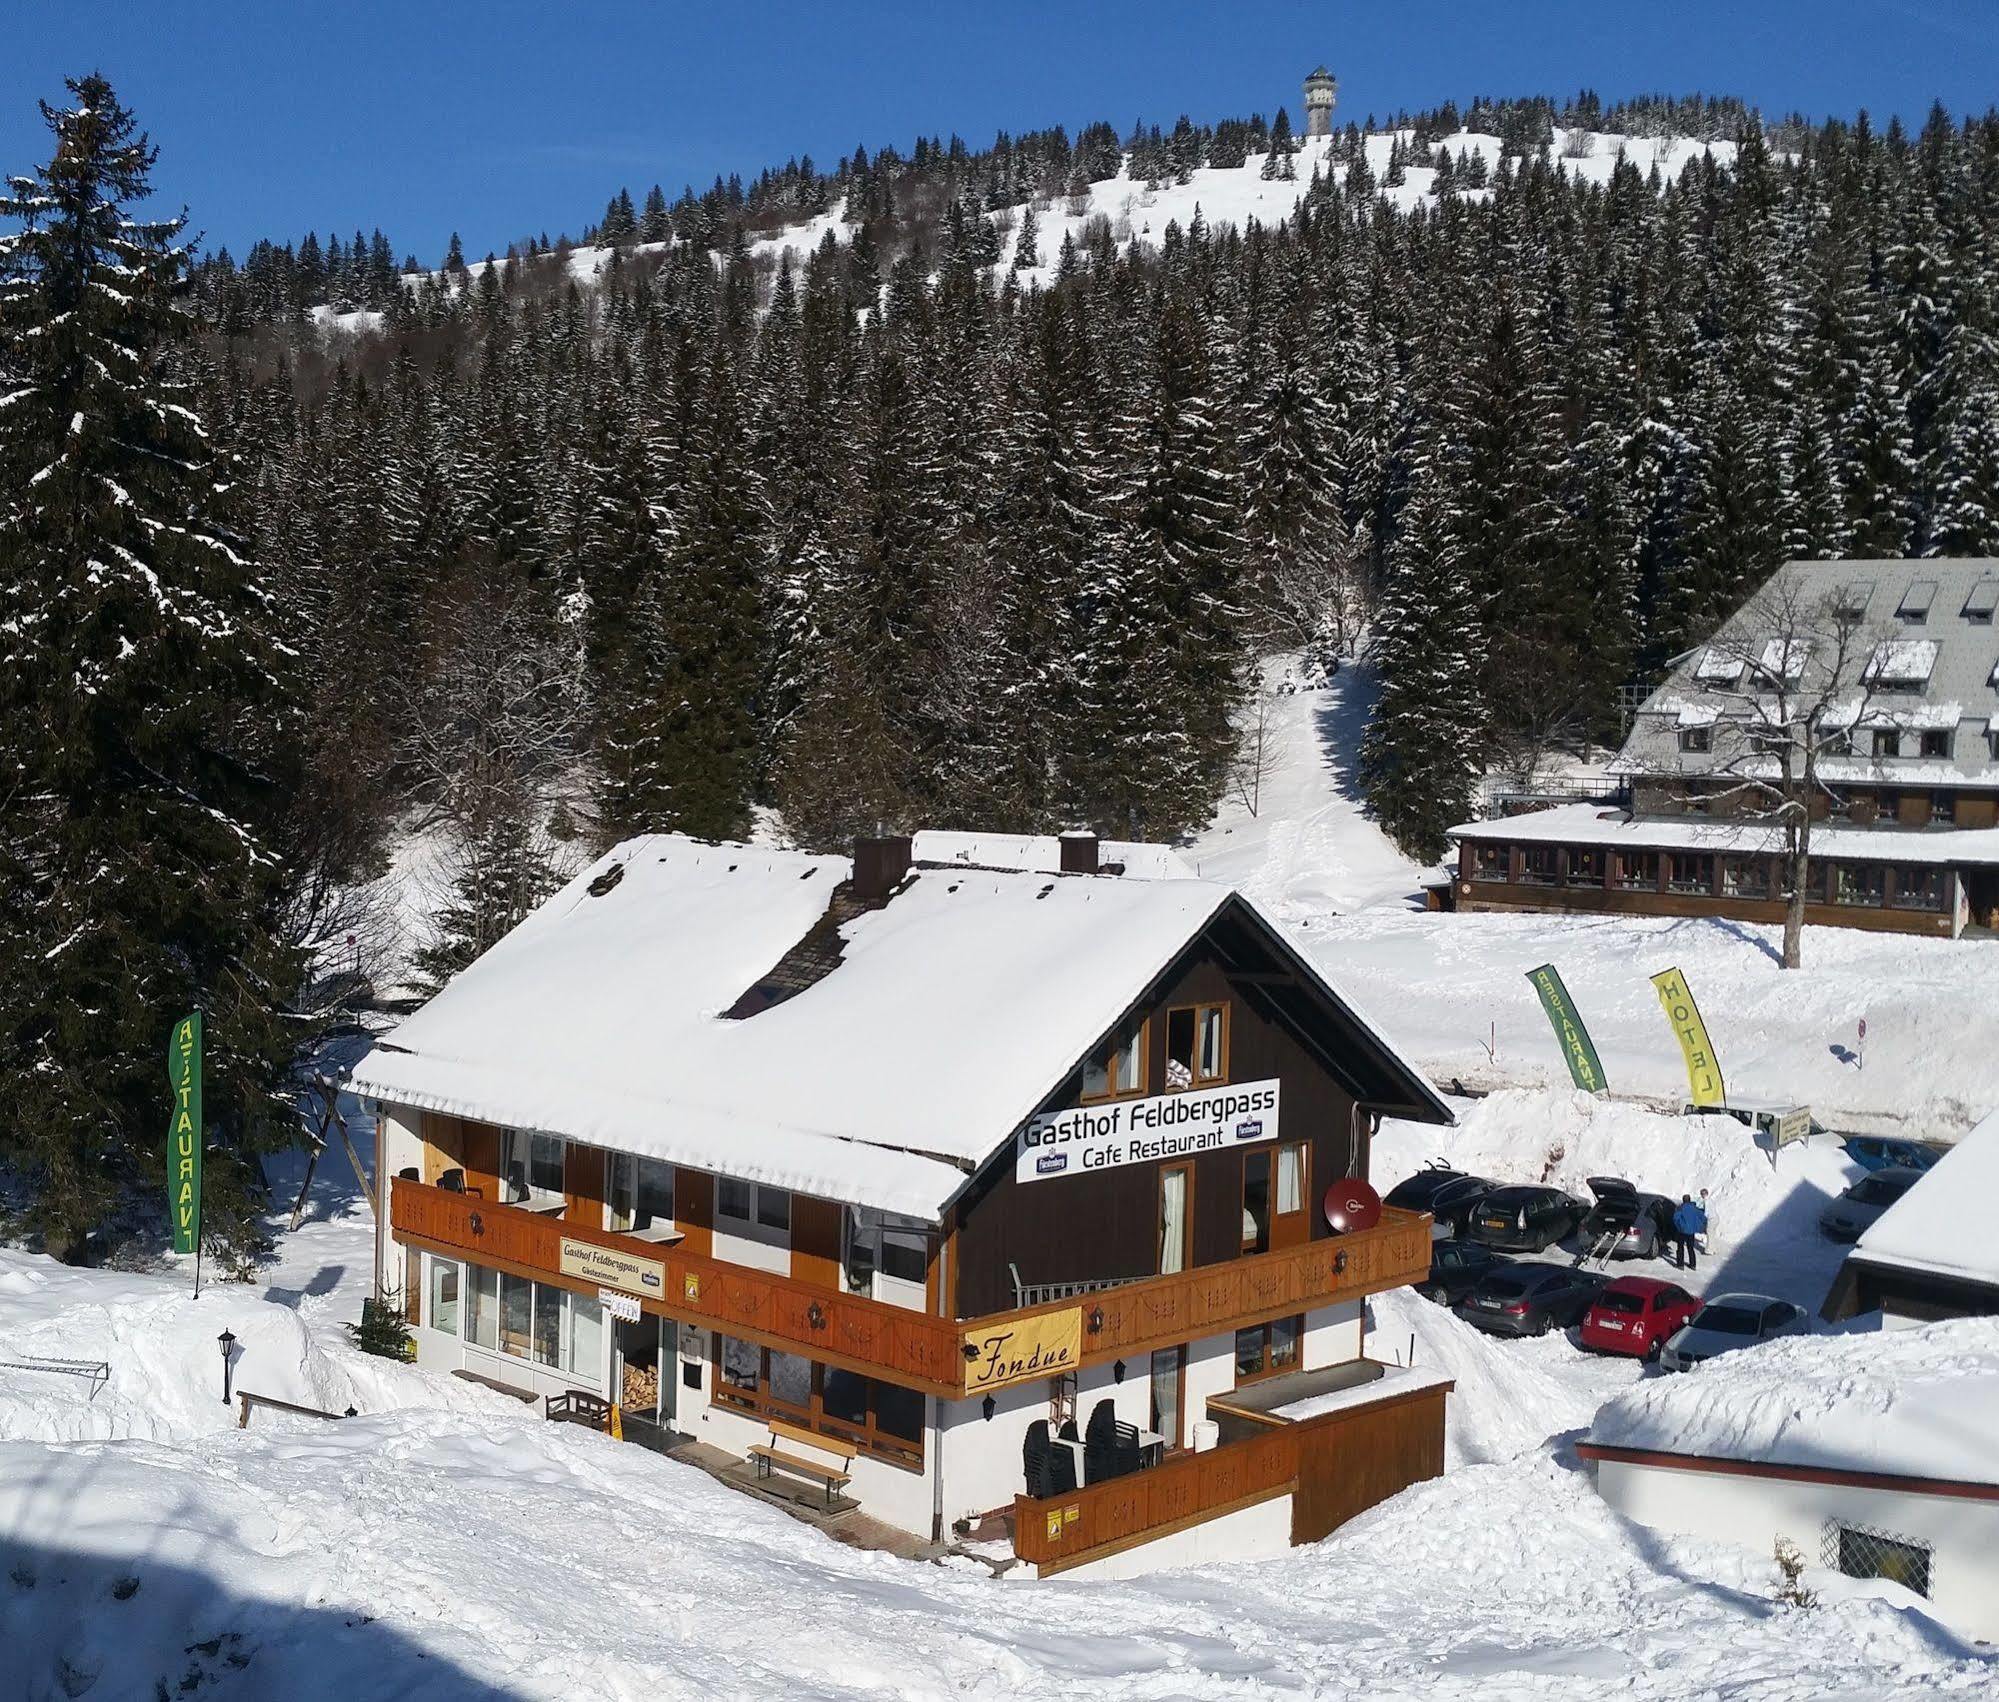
(1279, 163)
(136, 650)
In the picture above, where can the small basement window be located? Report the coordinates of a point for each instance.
(1860, 1551)
(1117, 1067)
(1196, 1046)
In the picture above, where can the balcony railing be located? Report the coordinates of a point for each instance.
(917, 1349)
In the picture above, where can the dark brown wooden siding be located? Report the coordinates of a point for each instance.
(1103, 1224)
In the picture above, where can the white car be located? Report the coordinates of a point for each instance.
(1727, 1322)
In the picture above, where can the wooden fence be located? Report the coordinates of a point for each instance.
(1333, 1466)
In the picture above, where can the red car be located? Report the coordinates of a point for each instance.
(1635, 1315)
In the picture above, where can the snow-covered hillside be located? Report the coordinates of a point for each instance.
(1139, 211)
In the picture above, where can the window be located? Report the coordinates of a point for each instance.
(1902, 664)
(1169, 1374)
(884, 1419)
(1936, 742)
(753, 1203)
(1489, 862)
(1699, 740)
(641, 1193)
(1864, 884)
(1978, 606)
(516, 1314)
(482, 1306)
(1292, 1162)
(1196, 1046)
(535, 1320)
(1862, 1552)
(1745, 877)
(1256, 1202)
(1914, 608)
(1887, 742)
(1635, 870)
(1687, 871)
(442, 1315)
(1919, 889)
(547, 1324)
(1176, 1182)
(1585, 866)
(1538, 865)
(1268, 1350)
(1118, 1066)
(531, 1169)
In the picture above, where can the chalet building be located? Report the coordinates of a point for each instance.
(976, 1180)
(1897, 664)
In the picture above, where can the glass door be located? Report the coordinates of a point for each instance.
(1169, 1376)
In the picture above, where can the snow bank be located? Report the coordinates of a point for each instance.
(1944, 1223)
(160, 1342)
(1920, 1402)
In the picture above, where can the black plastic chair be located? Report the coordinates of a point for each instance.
(452, 1181)
(1034, 1451)
(1110, 1449)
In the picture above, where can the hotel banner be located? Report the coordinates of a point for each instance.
(1585, 1070)
(1048, 1344)
(1703, 1067)
(184, 1134)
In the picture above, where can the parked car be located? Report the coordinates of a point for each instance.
(1636, 1315)
(1456, 1268)
(1447, 1195)
(1520, 1219)
(1729, 1321)
(1866, 1200)
(1886, 1152)
(1529, 1297)
(1637, 1218)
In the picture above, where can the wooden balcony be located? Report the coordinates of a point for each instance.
(942, 1356)
(1333, 1467)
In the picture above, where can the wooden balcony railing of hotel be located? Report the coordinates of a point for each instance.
(1333, 1466)
(942, 1356)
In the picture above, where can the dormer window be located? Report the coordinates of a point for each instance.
(1983, 600)
(1697, 740)
(1852, 598)
(1783, 661)
(1718, 667)
(1902, 664)
(1887, 742)
(1914, 608)
(1117, 1067)
(1936, 742)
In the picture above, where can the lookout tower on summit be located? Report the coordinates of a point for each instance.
(1322, 90)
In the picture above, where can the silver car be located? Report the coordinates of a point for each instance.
(1727, 1322)
(1855, 1210)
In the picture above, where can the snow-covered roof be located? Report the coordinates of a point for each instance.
(1588, 824)
(1041, 853)
(1908, 1403)
(951, 1015)
(1944, 1223)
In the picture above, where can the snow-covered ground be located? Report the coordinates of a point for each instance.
(1451, 989)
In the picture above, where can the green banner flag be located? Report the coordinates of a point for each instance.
(1584, 1068)
(184, 1133)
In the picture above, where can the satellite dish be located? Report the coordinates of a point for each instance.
(1352, 1204)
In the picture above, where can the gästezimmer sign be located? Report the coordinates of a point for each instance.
(1144, 1131)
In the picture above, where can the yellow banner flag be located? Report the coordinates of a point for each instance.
(1703, 1067)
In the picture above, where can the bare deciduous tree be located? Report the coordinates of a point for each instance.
(1259, 749)
(1790, 681)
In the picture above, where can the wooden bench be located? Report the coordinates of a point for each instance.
(771, 1453)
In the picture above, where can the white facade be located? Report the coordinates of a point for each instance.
(1961, 1533)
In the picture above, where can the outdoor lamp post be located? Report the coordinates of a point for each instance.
(225, 1341)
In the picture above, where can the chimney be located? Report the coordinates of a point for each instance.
(1079, 852)
(879, 865)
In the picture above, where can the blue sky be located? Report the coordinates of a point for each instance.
(504, 118)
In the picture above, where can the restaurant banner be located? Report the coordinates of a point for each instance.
(184, 1133)
(1704, 1082)
(610, 1268)
(1144, 1131)
(1585, 1070)
(1047, 1344)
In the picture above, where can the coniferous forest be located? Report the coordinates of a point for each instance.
(893, 536)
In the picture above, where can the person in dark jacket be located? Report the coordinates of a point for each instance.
(1688, 1223)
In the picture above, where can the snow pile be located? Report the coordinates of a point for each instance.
(165, 1363)
(1920, 1403)
(1944, 1223)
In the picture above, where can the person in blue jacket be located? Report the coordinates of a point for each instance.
(1689, 1221)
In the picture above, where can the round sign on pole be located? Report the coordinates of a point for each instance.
(1351, 1204)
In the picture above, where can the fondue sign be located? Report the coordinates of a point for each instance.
(1144, 1131)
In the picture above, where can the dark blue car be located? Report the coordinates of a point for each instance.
(1884, 1152)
